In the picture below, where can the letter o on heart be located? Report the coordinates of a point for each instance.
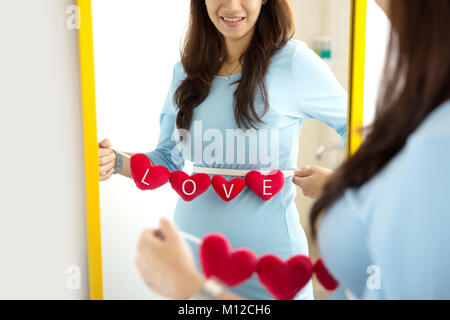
(184, 190)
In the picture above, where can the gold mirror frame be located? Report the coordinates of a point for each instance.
(86, 47)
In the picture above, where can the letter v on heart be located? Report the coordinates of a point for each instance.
(228, 190)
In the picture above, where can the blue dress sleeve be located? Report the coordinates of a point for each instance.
(413, 251)
(167, 152)
(342, 234)
(317, 93)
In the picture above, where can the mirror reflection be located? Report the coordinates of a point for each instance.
(217, 88)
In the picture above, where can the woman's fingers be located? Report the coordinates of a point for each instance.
(105, 143)
(104, 152)
(168, 230)
(166, 262)
(312, 180)
(149, 240)
(108, 174)
(300, 181)
(306, 184)
(105, 168)
(306, 172)
(107, 159)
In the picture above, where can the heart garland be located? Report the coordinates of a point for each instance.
(283, 279)
(220, 261)
(324, 276)
(148, 177)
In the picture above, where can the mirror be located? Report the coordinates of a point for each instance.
(136, 45)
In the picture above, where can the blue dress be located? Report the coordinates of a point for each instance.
(300, 85)
(390, 239)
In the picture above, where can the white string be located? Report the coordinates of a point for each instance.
(227, 172)
(123, 154)
(185, 235)
(237, 173)
(190, 237)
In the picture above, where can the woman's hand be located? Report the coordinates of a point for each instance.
(312, 180)
(166, 263)
(107, 159)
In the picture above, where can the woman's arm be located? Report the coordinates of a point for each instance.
(318, 94)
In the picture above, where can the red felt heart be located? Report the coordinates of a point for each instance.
(265, 186)
(220, 261)
(189, 187)
(284, 279)
(228, 190)
(146, 176)
(324, 276)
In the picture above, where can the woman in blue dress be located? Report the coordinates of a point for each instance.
(385, 213)
(241, 75)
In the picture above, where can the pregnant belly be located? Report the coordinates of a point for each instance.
(247, 222)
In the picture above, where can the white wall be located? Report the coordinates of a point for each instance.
(42, 206)
(135, 50)
(316, 18)
(376, 40)
(329, 18)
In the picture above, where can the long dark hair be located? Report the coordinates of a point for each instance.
(202, 57)
(416, 81)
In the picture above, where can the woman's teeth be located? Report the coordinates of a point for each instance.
(232, 19)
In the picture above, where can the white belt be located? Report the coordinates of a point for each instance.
(237, 173)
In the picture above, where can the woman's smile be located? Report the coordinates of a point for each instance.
(233, 21)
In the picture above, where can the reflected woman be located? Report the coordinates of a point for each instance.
(241, 71)
(385, 213)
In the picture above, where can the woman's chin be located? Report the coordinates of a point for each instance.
(234, 35)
